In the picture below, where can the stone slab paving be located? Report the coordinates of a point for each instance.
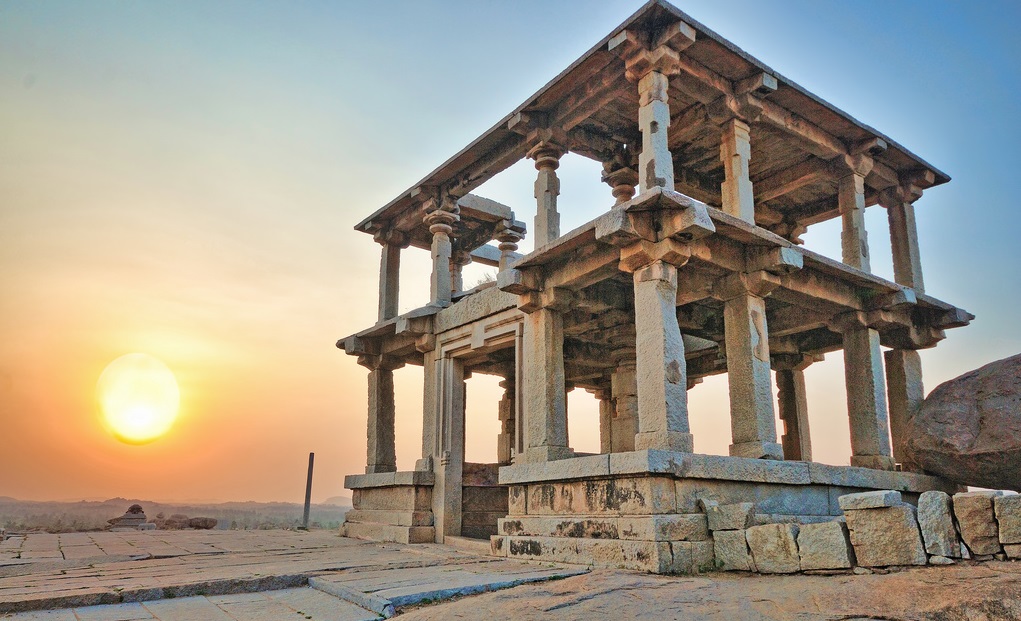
(242, 575)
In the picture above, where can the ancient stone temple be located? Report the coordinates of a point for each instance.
(715, 165)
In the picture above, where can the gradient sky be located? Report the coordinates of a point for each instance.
(182, 179)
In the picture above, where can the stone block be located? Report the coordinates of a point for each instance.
(691, 492)
(388, 532)
(729, 517)
(825, 545)
(781, 518)
(792, 499)
(516, 500)
(586, 467)
(866, 478)
(649, 556)
(691, 557)
(398, 498)
(485, 498)
(592, 527)
(1012, 550)
(940, 560)
(870, 500)
(886, 536)
(1008, 518)
(774, 548)
(396, 518)
(675, 527)
(730, 549)
(936, 520)
(974, 512)
(498, 545)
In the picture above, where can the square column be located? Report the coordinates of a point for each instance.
(900, 210)
(792, 401)
(735, 153)
(605, 421)
(866, 393)
(904, 383)
(506, 414)
(440, 217)
(752, 419)
(381, 453)
(449, 462)
(854, 240)
(545, 394)
(430, 410)
(624, 385)
(660, 369)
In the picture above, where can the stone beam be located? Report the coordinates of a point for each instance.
(791, 179)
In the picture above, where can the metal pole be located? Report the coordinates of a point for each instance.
(308, 491)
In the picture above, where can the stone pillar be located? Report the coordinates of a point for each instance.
(545, 391)
(904, 383)
(430, 411)
(900, 209)
(735, 152)
(793, 403)
(440, 217)
(655, 162)
(866, 394)
(621, 178)
(506, 412)
(389, 272)
(381, 455)
(547, 187)
(659, 349)
(458, 259)
(508, 238)
(752, 419)
(449, 463)
(854, 240)
(624, 384)
(605, 420)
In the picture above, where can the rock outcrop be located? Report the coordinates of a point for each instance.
(969, 428)
(134, 517)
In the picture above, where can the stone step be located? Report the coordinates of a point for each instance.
(467, 544)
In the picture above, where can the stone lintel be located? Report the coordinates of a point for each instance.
(389, 479)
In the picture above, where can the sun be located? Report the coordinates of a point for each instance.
(139, 398)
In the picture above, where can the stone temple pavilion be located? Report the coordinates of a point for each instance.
(716, 164)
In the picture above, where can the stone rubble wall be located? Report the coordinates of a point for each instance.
(878, 530)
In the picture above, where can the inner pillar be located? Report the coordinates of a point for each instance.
(508, 238)
(624, 424)
(904, 383)
(866, 394)
(752, 419)
(458, 259)
(792, 401)
(506, 413)
(389, 272)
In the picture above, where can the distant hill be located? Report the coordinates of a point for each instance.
(338, 501)
(55, 517)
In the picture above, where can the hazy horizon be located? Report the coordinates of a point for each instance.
(181, 179)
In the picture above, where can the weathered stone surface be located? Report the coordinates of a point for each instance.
(974, 512)
(1012, 550)
(730, 548)
(886, 536)
(639, 555)
(969, 428)
(774, 548)
(730, 517)
(675, 527)
(516, 500)
(388, 532)
(1008, 518)
(627, 496)
(825, 546)
(940, 560)
(870, 500)
(692, 557)
(937, 524)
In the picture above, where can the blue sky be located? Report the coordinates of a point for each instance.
(182, 179)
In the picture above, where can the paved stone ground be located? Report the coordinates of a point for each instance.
(238, 575)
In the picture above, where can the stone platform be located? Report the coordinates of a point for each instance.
(645, 510)
(241, 575)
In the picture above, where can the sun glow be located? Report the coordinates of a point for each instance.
(139, 398)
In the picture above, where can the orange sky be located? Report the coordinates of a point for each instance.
(182, 180)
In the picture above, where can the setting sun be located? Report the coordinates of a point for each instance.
(139, 397)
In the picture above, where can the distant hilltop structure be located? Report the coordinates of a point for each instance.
(133, 519)
(716, 165)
